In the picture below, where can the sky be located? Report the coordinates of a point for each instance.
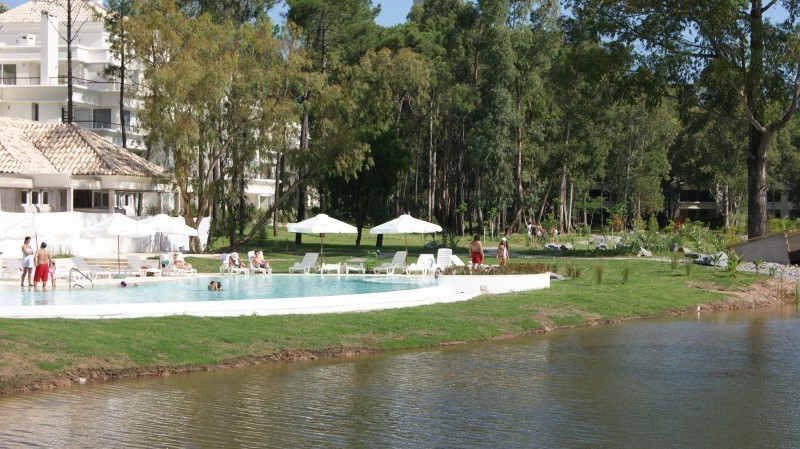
(392, 11)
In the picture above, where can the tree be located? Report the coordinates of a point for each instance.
(71, 8)
(205, 97)
(115, 24)
(332, 32)
(711, 52)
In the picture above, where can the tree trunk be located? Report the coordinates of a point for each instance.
(301, 190)
(757, 183)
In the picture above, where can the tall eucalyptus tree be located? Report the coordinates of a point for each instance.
(706, 51)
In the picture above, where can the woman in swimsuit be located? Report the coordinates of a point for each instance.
(27, 262)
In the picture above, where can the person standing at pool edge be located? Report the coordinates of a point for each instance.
(27, 262)
(476, 252)
(43, 262)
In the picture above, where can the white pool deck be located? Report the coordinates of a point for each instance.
(448, 289)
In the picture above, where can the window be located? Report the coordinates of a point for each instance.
(102, 118)
(82, 199)
(100, 200)
(82, 117)
(127, 116)
(45, 198)
(9, 74)
(24, 197)
(35, 112)
(123, 200)
(35, 197)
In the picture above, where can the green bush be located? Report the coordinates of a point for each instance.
(599, 271)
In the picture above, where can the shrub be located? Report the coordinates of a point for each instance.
(599, 270)
(509, 269)
(758, 263)
(573, 271)
(552, 267)
(733, 263)
(626, 272)
(673, 262)
(688, 265)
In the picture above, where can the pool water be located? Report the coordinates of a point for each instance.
(196, 289)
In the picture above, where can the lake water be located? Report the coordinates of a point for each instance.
(708, 381)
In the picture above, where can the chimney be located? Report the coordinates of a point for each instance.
(49, 62)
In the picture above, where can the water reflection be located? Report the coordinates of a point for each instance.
(728, 380)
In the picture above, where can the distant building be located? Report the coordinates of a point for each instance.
(64, 168)
(33, 69)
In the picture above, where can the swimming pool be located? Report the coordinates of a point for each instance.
(256, 295)
(234, 288)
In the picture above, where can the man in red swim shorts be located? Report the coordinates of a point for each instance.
(42, 262)
(476, 251)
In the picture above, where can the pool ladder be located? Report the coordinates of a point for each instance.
(82, 275)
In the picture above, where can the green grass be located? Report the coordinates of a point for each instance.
(44, 350)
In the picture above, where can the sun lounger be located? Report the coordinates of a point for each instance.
(241, 269)
(139, 267)
(13, 268)
(254, 269)
(357, 268)
(90, 270)
(456, 261)
(443, 258)
(330, 268)
(423, 265)
(398, 263)
(305, 266)
(172, 269)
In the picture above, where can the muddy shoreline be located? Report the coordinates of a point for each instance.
(766, 293)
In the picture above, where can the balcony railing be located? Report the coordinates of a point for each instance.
(20, 81)
(101, 125)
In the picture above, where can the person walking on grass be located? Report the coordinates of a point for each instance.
(502, 252)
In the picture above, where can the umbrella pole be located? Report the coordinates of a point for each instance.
(118, 259)
(321, 238)
(406, 234)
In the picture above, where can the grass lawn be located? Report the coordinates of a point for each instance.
(55, 351)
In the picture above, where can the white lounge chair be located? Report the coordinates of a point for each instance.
(13, 268)
(141, 268)
(241, 269)
(423, 265)
(254, 269)
(89, 270)
(172, 269)
(330, 268)
(398, 263)
(456, 261)
(443, 258)
(305, 266)
(360, 268)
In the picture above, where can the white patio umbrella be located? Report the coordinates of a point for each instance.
(164, 224)
(119, 225)
(406, 224)
(42, 224)
(321, 224)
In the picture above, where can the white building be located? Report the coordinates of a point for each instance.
(33, 69)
